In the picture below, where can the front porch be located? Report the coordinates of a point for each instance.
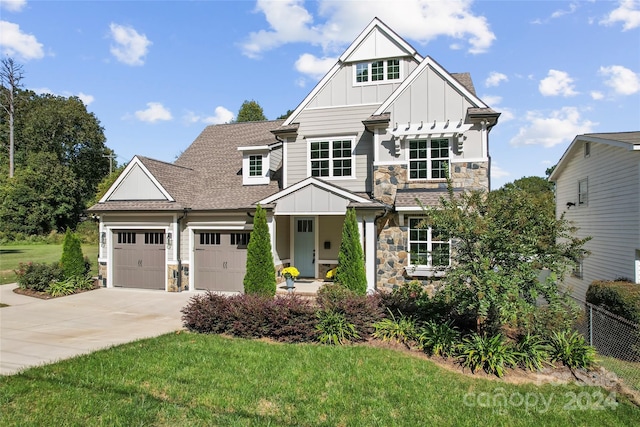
(303, 287)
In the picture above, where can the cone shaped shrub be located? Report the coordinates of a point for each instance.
(260, 276)
(72, 260)
(351, 272)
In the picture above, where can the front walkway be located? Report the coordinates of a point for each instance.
(303, 287)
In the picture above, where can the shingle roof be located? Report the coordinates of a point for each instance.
(216, 160)
(465, 80)
(428, 197)
(627, 137)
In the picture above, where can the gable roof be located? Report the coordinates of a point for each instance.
(430, 62)
(376, 25)
(626, 140)
(207, 176)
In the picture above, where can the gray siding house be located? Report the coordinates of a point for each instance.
(377, 134)
(598, 189)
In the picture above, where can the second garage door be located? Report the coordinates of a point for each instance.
(220, 259)
(139, 259)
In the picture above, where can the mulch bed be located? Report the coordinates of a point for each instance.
(44, 295)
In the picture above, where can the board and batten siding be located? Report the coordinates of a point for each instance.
(137, 186)
(340, 90)
(332, 122)
(611, 216)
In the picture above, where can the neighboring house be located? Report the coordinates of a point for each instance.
(598, 190)
(380, 131)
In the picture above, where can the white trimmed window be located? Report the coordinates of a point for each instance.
(255, 165)
(429, 158)
(331, 158)
(377, 71)
(427, 247)
(583, 192)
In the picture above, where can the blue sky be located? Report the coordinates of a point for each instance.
(155, 73)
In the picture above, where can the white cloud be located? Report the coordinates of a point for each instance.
(557, 83)
(130, 46)
(558, 13)
(495, 79)
(498, 172)
(313, 66)
(155, 112)
(596, 95)
(221, 115)
(621, 79)
(627, 12)
(13, 5)
(86, 99)
(420, 20)
(16, 43)
(493, 101)
(559, 127)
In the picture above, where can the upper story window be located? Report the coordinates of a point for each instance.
(428, 158)
(587, 149)
(331, 158)
(427, 247)
(583, 192)
(377, 71)
(255, 165)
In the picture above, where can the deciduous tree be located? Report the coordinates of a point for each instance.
(250, 111)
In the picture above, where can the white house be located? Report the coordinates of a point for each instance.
(598, 189)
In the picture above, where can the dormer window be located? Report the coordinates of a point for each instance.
(377, 71)
(255, 165)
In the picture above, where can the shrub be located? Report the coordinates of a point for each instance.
(72, 260)
(63, 287)
(531, 352)
(619, 297)
(334, 328)
(439, 339)
(260, 276)
(287, 318)
(570, 348)
(402, 329)
(360, 310)
(38, 276)
(350, 271)
(492, 353)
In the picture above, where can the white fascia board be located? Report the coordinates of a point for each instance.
(255, 148)
(313, 181)
(428, 61)
(125, 173)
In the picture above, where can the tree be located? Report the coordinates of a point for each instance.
(350, 271)
(41, 197)
(260, 276)
(10, 76)
(501, 241)
(250, 111)
(73, 145)
(105, 184)
(286, 115)
(72, 260)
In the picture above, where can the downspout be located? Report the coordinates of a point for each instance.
(184, 215)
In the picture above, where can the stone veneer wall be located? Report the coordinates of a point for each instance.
(102, 274)
(173, 281)
(392, 250)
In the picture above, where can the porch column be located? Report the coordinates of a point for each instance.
(271, 224)
(370, 252)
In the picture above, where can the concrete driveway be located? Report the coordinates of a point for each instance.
(35, 331)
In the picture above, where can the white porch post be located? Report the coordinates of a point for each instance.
(366, 227)
(370, 253)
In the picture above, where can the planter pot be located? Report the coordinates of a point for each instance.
(290, 281)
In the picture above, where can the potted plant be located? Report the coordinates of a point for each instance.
(290, 274)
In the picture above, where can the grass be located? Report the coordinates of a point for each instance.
(628, 371)
(12, 255)
(200, 380)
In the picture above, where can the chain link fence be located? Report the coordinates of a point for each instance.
(615, 338)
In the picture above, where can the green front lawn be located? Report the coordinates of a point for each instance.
(12, 255)
(202, 380)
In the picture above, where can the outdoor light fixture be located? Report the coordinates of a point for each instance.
(103, 239)
(169, 240)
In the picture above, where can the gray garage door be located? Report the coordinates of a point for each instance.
(221, 259)
(139, 259)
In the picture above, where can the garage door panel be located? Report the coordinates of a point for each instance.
(139, 259)
(220, 259)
